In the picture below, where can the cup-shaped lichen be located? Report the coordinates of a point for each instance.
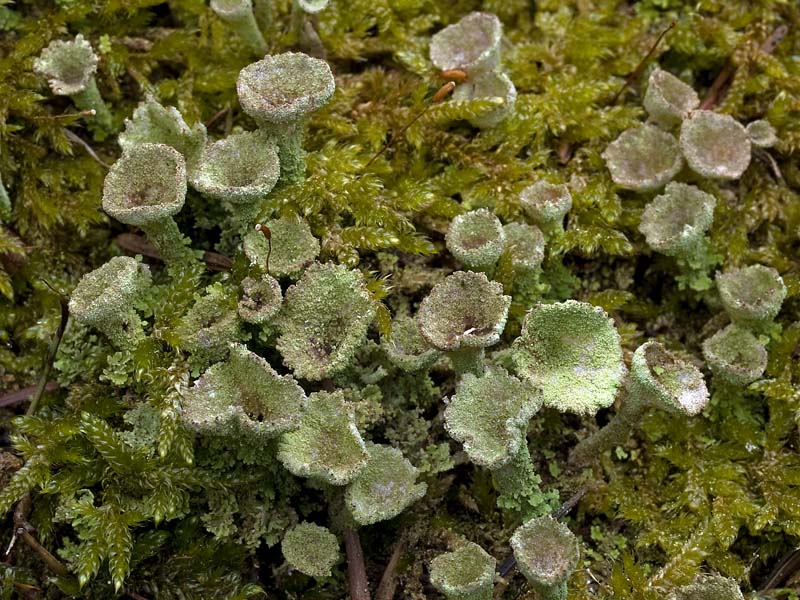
(571, 350)
(496, 86)
(145, 188)
(735, 355)
(294, 247)
(324, 320)
(104, 299)
(327, 445)
(668, 99)
(153, 123)
(546, 204)
(313, 6)
(476, 239)
(385, 488)
(210, 326)
(525, 246)
(472, 44)
(643, 158)
(280, 92)
(261, 299)
(675, 222)
(69, 68)
(761, 134)
(752, 296)
(462, 315)
(659, 380)
(239, 170)
(715, 145)
(406, 347)
(239, 15)
(467, 573)
(709, 587)
(547, 554)
(311, 549)
(243, 397)
(489, 415)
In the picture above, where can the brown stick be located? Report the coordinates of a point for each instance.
(640, 67)
(715, 91)
(130, 242)
(76, 139)
(356, 571)
(51, 354)
(24, 394)
(23, 531)
(388, 584)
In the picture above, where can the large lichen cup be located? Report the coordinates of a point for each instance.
(489, 415)
(280, 92)
(472, 44)
(462, 315)
(715, 145)
(476, 239)
(659, 380)
(571, 351)
(239, 15)
(104, 299)
(675, 222)
(467, 573)
(668, 99)
(547, 554)
(327, 445)
(69, 67)
(294, 247)
(752, 295)
(546, 204)
(324, 320)
(239, 170)
(709, 587)
(643, 158)
(243, 397)
(735, 355)
(145, 188)
(153, 123)
(311, 549)
(385, 488)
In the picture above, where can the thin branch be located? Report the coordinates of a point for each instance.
(76, 139)
(787, 566)
(356, 570)
(640, 67)
(136, 244)
(51, 354)
(388, 584)
(24, 394)
(23, 529)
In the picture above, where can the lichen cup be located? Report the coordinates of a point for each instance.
(69, 67)
(261, 299)
(547, 554)
(294, 247)
(668, 99)
(467, 573)
(715, 145)
(752, 296)
(761, 134)
(709, 587)
(472, 44)
(496, 86)
(146, 187)
(462, 315)
(280, 92)
(546, 204)
(735, 355)
(104, 299)
(643, 158)
(311, 549)
(476, 239)
(525, 245)
(406, 348)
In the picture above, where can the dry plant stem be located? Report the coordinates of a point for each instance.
(23, 530)
(789, 565)
(356, 571)
(136, 244)
(640, 67)
(51, 356)
(715, 91)
(75, 138)
(25, 393)
(388, 584)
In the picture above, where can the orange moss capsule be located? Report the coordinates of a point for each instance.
(456, 75)
(443, 92)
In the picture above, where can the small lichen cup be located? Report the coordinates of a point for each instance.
(709, 587)
(466, 573)
(495, 86)
(668, 99)
(735, 356)
(311, 549)
(546, 204)
(261, 299)
(239, 15)
(294, 247)
(547, 554)
(146, 187)
(658, 380)
(279, 93)
(406, 348)
(643, 158)
(476, 239)
(715, 145)
(472, 44)
(752, 296)
(462, 315)
(104, 299)
(69, 67)
(525, 246)
(761, 134)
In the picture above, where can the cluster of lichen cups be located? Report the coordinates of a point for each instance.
(472, 46)
(648, 157)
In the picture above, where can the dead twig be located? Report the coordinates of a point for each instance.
(76, 139)
(388, 584)
(24, 394)
(356, 570)
(51, 354)
(787, 566)
(23, 529)
(136, 244)
(640, 67)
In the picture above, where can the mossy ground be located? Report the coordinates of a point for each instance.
(123, 495)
